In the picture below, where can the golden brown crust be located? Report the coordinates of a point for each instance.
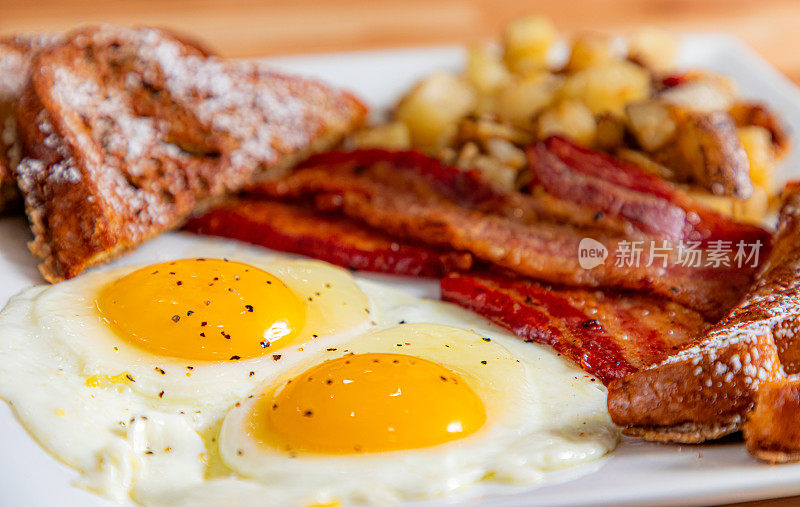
(16, 54)
(771, 431)
(129, 130)
(717, 379)
(701, 391)
(687, 433)
(760, 115)
(774, 457)
(706, 149)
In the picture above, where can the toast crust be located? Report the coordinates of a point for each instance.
(130, 130)
(687, 433)
(771, 431)
(16, 54)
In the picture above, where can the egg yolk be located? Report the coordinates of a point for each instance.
(367, 403)
(204, 309)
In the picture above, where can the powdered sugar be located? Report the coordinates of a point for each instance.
(266, 115)
(745, 342)
(155, 126)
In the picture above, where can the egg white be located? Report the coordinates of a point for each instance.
(54, 343)
(67, 315)
(126, 441)
(523, 435)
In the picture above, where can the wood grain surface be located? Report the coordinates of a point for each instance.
(255, 28)
(260, 28)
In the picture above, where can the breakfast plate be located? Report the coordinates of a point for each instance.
(636, 473)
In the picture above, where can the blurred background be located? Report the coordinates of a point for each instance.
(269, 27)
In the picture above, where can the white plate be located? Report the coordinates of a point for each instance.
(637, 473)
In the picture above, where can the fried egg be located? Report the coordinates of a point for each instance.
(379, 396)
(412, 412)
(202, 330)
(112, 366)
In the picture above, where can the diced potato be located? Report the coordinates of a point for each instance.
(506, 152)
(493, 168)
(701, 96)
(523, 98)
(654, 48)
(447, 155)
(495, 171)
(645, 163)
(467, 154)
(483, 129)
(651, 123)
(589, 50)
(571, 118)
(745, 114)
(389, 136)
(485, 69)
(752, 210)
(432, 109)
(527, 42)
(720, 81)
(486, 104)
(757, 142)
(610, 132)
(607, 88)
(720, 203)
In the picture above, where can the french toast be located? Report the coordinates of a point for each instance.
(16, 53)
(771, 432)
(706, 390)
(129, 130)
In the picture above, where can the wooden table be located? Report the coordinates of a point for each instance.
(253, 28)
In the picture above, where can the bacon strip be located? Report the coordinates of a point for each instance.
(609, 185)
(705, 390)
(335, 239)
(647, 212)
(470, 190)
(609, 334)
(402, 199)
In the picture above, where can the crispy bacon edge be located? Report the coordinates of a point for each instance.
(404, 197)
(468, 189)
(705, 391)
(650, 204)
(335, 239)
(568, 320)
